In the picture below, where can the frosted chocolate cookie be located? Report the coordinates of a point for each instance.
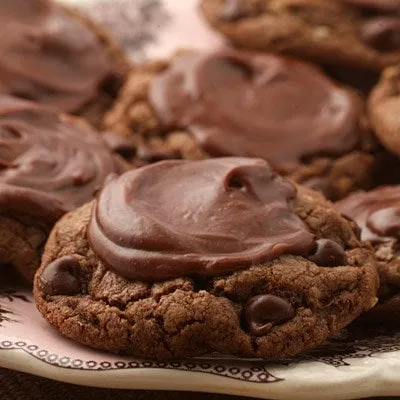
(378, 215)
(362, 34)
(384, 109)
(231, 103)
(182, 258)
(56, 56)
(49, 164)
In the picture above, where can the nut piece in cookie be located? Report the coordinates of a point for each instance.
(183, 258)
(234, 103)
(55, 56)
(362, 34)
(378, 214)
(49, 164)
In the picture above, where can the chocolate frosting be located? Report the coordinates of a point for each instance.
(257, 105)
(377, 212)
(32, 11)
(52, 156)
(48, 56)
(37, 204)
(202, 218)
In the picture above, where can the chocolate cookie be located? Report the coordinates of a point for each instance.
(378, 215)
(254, 105)
(183, 258)
(49, 164)
(362, 34)
(384, 109)
(56, 56)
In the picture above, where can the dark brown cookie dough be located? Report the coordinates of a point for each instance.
(378, 214)
(335, 163)
(26, 219)
(361, 34)
(55, 55)
(269, 309)
(50, 164)
(384, 109)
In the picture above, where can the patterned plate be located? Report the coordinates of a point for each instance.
(352, 365)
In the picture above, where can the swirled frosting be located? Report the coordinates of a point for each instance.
(48, 56)
(257, 105)
(203, 218)
(36, 204)
(376, 212)
(51, 155)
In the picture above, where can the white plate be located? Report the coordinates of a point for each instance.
(346, 368)
(152, 28)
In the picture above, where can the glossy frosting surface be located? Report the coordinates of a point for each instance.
(257, 105)
(49, 56)
(59, 157)
(377, 212)
(203, 218)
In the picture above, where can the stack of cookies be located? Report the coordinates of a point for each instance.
(244, 201)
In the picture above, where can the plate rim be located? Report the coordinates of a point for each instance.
(165, 379)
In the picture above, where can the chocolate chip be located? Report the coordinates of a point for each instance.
(59, 277)
(382, 34)
(328, 254)
(265, 311)
(123, 146)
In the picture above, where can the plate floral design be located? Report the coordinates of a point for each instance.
(344, 359)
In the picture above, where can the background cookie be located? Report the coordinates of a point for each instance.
(361, 34)
(50, 164)
(185, 279)
(286, 111)
(378, 214)
(384, 109)
(56, 56)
